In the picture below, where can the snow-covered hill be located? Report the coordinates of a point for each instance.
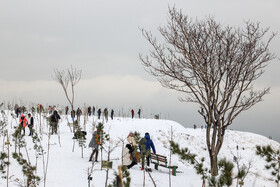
(69, 169)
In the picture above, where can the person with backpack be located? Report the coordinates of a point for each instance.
(55, 117)
(94, 144)
(30, 122)
(22, 124)
(145, 145)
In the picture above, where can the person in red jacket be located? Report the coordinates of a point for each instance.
(132, 113)
(22, 124)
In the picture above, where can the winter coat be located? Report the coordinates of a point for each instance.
(79, 112)
(131, 140)
(145, 145)
(95, 140)
(55, 117)
(66, 110)
(89, 110)
(30, 121)
(105, 112)
(23, 120)
(126, 157)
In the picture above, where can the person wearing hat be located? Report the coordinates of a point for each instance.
(30, 123)
(22, 124)
(130, 138)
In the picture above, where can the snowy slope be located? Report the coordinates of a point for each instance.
(69, 169)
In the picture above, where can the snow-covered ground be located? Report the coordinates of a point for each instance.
(69, 169)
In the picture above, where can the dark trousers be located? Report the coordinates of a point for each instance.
(134, 161)
(148, 157)
(30, 130)
(54, 128)
(22, 129)
(94, 151)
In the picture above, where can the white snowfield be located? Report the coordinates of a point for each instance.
(69, 169)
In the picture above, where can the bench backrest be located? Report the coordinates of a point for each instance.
(160, 159)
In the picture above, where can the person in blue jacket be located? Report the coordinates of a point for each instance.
(145, 146)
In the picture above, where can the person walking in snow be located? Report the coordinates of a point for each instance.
(132, 113)
(139, 113)
(112, 114)
(50, 109)
(79, 113)
(99, 113)
(145, 146)
(105, 113)
(73, 114)
(94, 144)
(89, 111)
(93, 110)
(16, 109)
(30, 122)
(22, 124)
(55, 117)
(66, 110)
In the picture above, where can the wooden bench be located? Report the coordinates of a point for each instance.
(160, 160)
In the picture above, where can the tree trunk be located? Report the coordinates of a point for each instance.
(214, 164)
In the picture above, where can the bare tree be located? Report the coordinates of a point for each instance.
(72, 76)
(214, 65)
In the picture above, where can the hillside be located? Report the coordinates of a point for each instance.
(69, 169)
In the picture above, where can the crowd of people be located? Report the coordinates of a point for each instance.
(144, 146)
(135, 150)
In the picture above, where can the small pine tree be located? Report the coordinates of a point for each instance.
(125, 178)
(81, 139)
(28, 170)
(185, 154)
(137, 137)
(18, 139)
(3, 163)
(225, 167)
(272, 157)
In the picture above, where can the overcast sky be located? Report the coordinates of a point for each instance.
(103, 39)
